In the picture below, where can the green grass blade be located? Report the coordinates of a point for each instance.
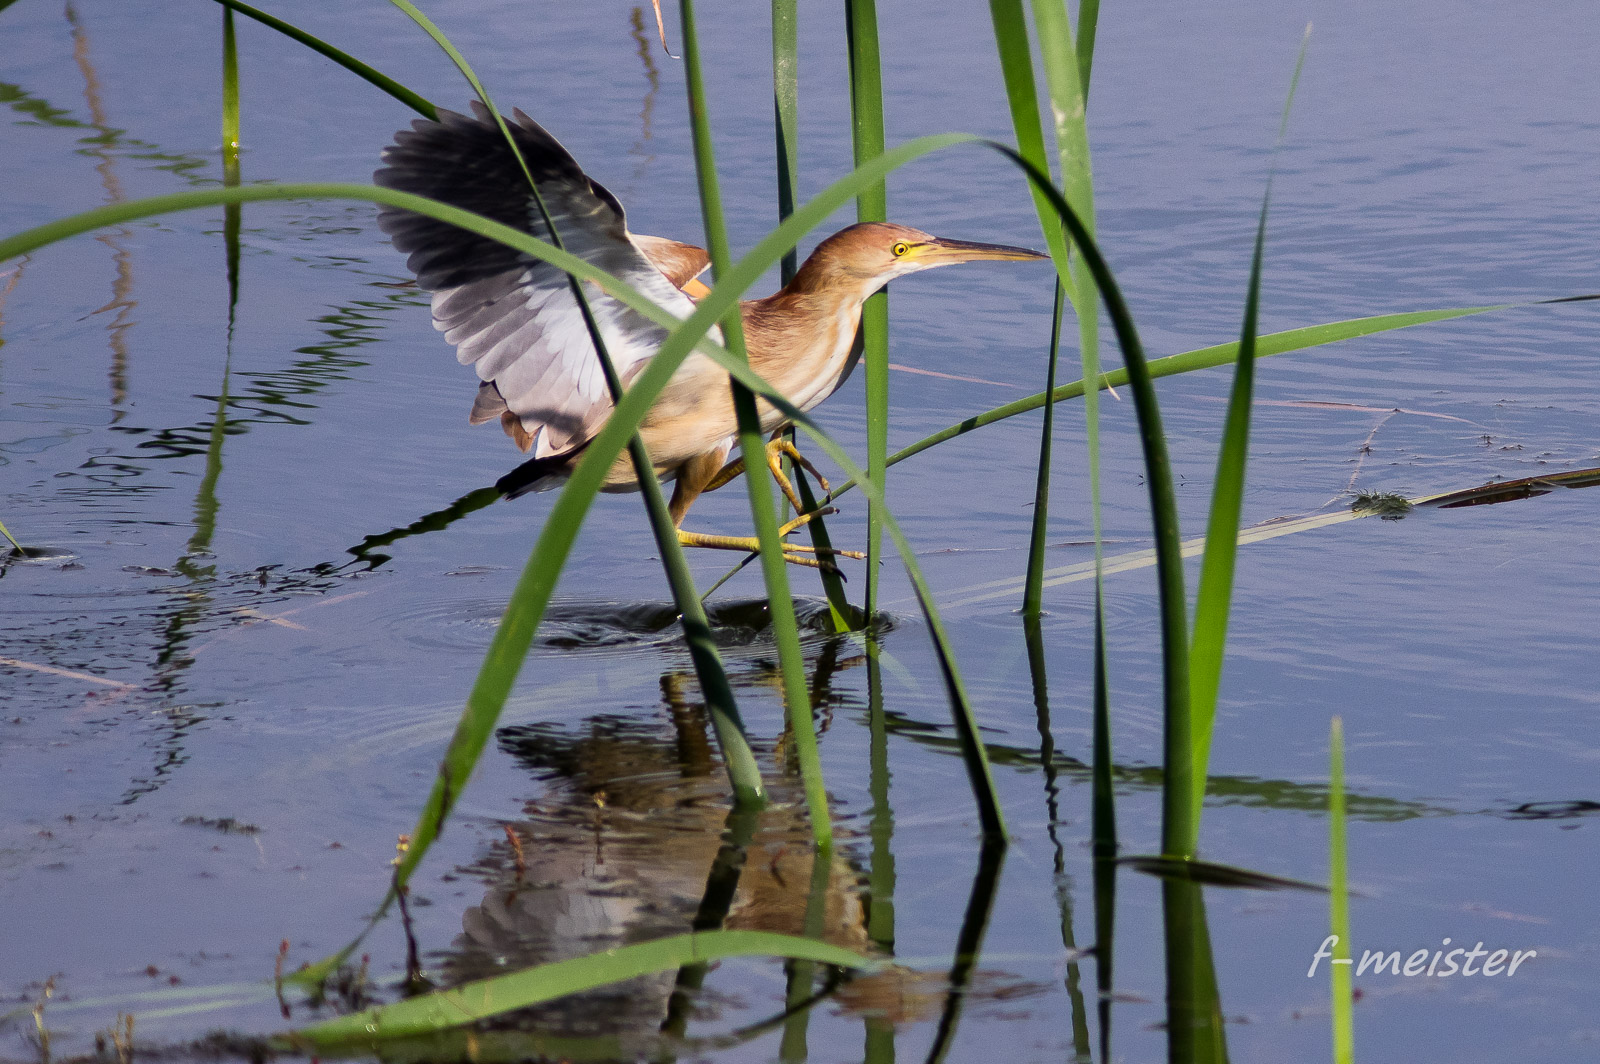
(844, 616)
(1215, 596)
(1016, 70)
(1164, 517)
(872, 205)
(350, 63)
(1103, 807)
(780, 601)
(1033, 583)
(486, 998)
(230, 101)
(1339, 902)
(232, 219)
(1105, 935)
(1088, 25)
(1067, 76)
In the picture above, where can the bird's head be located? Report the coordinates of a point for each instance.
(875, 253)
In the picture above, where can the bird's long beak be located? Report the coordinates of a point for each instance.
(942, 252)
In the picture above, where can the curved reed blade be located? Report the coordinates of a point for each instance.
(487, 998)
(1033, 581)
(1068, 77)
(1163, 512)
(786, 115)
(1088, 24)
(350, 63)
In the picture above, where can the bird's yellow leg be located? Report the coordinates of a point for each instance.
(749, 545)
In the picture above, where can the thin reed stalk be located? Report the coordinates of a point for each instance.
(780, 602)
(872, 205)
(1339, 979)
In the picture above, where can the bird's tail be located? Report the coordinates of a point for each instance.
(538, 474)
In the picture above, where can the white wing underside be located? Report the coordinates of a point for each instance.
(512, 317)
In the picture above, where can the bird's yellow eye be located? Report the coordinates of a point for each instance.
(900, 249)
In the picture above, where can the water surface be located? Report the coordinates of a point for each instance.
(247, 715)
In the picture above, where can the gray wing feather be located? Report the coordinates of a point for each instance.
(511, 316)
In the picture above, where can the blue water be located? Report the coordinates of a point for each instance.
(1438, 155)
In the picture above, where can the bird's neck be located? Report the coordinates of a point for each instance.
(800, 338)
(824, 275)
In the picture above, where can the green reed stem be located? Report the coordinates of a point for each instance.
(786, 124)
(872, 205)
(786, 116)
(1033, 586)
(1344, 1051)
(785, 628)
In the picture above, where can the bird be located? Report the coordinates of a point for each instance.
(514, 319)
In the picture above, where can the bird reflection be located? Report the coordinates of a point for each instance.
(630, 840)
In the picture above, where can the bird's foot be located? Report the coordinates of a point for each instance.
(777, 449)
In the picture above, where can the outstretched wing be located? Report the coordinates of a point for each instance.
(511, 316)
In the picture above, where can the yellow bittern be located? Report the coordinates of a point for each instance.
(514, 318)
